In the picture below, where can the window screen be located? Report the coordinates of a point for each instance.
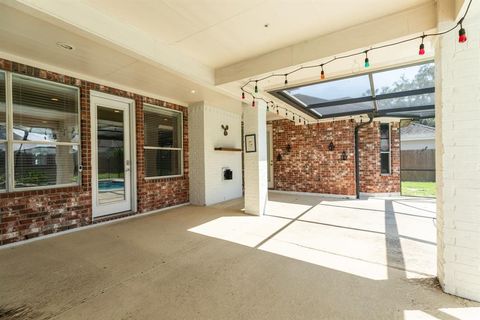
(163, 142)
(406, 91)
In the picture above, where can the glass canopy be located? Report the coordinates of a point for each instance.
(406, 92)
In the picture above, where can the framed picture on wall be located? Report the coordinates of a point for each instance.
(250, 143)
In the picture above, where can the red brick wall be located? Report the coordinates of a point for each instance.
(371, 180)
(30, 214)
(311, 167)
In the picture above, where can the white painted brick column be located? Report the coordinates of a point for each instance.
(255, 163)
(458, 154)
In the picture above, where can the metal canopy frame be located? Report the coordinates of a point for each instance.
(401, 112)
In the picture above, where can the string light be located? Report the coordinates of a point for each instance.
(462, 38)
(421, 50)
(299, 120)
(462, 34)
(367, 62)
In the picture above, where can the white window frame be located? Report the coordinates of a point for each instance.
(10, 160)
(158, 109)
(389, 152)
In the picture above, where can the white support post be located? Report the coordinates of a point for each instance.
(458, 153)
(255, 163)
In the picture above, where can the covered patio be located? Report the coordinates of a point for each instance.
(239, 159)
(307, 258)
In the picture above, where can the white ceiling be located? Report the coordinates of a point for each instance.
(221, 32)
(167, 48)
(30, 40)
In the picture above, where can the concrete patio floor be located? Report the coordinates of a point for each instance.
(308, 258)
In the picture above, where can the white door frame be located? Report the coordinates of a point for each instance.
(270, 153)
(128, 106)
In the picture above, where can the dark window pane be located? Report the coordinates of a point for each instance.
(384, 131)
(3, 166)
(352, 108)
(44, 111)
(348, 88)
(43, 165)
(162, 162)
(163, 128)
(385, 162)
(111, 155)
(407, 102)
(3, 134)
(404, 79)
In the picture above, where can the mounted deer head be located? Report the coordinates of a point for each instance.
(225, 130)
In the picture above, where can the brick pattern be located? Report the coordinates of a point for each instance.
(371, 179)
(29, 214)
(311, 167)
(457, 102)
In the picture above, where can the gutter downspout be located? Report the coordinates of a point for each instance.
(357, 160)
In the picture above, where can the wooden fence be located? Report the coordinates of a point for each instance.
(417, 165)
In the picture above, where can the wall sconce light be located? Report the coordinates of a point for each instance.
(344, 155)
(331, 146)
(289, 148)
(279, 157)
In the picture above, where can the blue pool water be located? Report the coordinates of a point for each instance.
(106, 185)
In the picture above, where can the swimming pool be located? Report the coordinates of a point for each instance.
(109, 185)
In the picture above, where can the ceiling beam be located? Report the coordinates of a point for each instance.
(78, 17)
(397, 25)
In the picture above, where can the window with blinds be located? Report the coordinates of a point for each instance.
(43, 135)
(163, 131)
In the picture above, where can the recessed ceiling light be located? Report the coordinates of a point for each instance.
(193, 91)
(65, 46)
(116, 111)
(266, 25)
(54, 99)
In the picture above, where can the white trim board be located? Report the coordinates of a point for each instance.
(90, 226)
(324, 195)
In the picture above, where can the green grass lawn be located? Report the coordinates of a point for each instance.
(419, 189)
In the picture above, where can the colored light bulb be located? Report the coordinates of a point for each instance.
(322, 75)
(253, 103)
(243, 95)
(367, 63)
(421, 51)
(462, 35)
(256, 87)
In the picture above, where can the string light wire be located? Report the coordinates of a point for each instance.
(345, 56)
